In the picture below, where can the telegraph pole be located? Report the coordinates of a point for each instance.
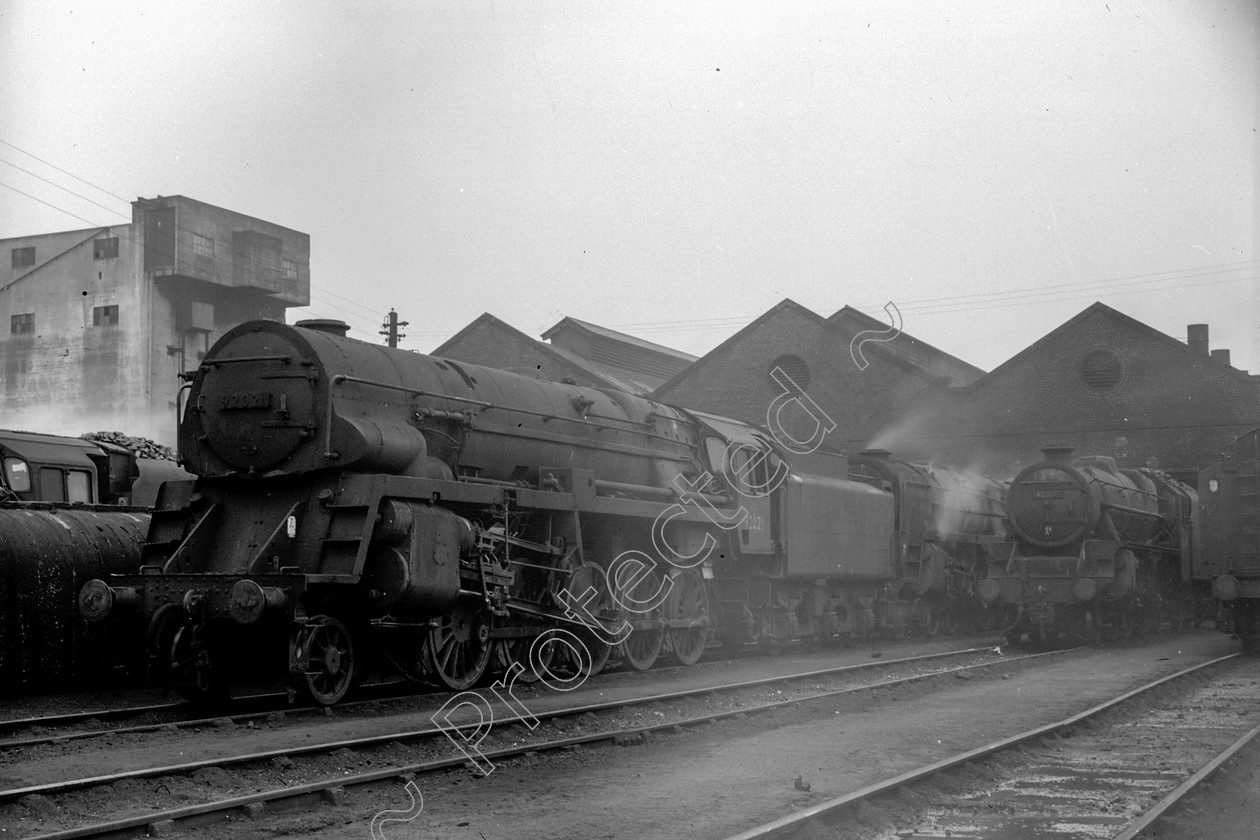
(389, 329)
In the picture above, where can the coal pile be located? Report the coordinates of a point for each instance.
(140, 447)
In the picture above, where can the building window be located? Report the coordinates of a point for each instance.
(105, 249)
(203, 246)
(105, 316)
(1101, 370)
(795, 369)
(22, 257)
(290, 269)
(23, 324)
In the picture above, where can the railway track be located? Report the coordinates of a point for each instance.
(93, 723)
(326, 770)
(1093, 774)
(1147, 824)
(62, 728)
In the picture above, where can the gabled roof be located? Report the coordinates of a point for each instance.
(1100, 308)
(790, 306)
(560, 354)
(604, 332)
(484, 319)
(958, 371)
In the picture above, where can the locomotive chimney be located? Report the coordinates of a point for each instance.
(879, 454)
(1221, 356)
(1057, 454)
(1197, 338)
(326, 325)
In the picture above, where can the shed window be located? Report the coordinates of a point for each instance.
(23, 324)
(290, 269)
(1101, 370)
(794, 367)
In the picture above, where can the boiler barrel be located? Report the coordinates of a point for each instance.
(46, 555)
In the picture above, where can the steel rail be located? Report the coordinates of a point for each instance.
(1182, 790)
(79, 717)
(390, 692)
(788, 824)
(408, 772)
(53, 788)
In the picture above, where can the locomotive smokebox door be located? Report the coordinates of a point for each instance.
(256, 403)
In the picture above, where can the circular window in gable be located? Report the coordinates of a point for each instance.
(795, 369)
(1102, 370)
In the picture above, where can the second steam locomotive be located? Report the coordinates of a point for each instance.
(1096, 551)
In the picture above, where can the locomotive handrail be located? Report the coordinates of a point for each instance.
(341, 377)
(207, 363)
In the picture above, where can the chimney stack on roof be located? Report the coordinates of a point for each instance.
(1221, 356)
(1197, 338)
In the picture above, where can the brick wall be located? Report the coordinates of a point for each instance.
(1172, 407)
(734, 380)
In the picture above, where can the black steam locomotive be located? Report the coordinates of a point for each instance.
(1097, 551)
(361, 508)
(1229, 547)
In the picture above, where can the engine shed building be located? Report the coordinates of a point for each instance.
(577, 352)
(96, 324)
(1105, 384)
(868, 388)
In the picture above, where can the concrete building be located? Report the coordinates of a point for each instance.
(578, 352)
(96, 324)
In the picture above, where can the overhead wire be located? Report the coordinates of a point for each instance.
(965, 302)
(64, 172)
(148, 246)
(67, 189)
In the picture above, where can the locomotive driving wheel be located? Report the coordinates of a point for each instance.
(575, 597)
(333, 659)
(687, 616)
(518, 650)
(457, 650)
(642, 647)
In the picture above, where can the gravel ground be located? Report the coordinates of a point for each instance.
(1226, 806)
(714, 781)
(708, 782)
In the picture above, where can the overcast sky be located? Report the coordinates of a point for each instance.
(674, 169)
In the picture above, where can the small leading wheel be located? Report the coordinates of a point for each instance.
(332, 658)
(643, 645)
(190, 666)
(457, 651)
(687, 616)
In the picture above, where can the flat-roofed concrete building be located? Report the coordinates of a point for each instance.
(96, 324)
